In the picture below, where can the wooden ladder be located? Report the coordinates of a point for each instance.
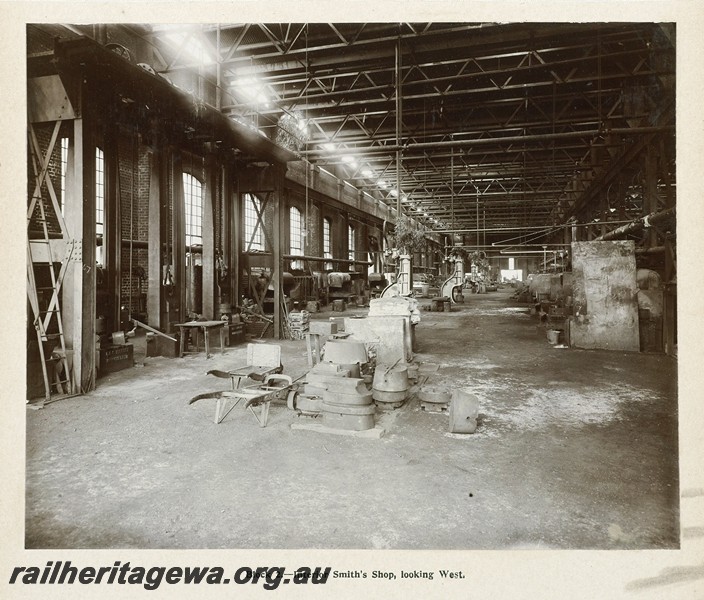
(56, 370)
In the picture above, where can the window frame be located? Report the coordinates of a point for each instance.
(295, 236)
(327, 242)
(63, 169)
(99, 192)
(192, 210)
(253, 228)
(351, 245)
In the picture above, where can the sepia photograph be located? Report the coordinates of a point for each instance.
(348, 287)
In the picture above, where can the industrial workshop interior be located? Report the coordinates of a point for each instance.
(351, 286)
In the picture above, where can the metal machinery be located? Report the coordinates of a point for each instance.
(452, 287)
(345, 286)
(404, 274)
(377, 283)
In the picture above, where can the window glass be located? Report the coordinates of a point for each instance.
(193, 199)
(295, 236)
(253, 234)
(327, 242)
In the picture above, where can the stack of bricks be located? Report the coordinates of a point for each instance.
(298, 323)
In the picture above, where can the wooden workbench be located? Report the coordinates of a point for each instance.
(197, 327)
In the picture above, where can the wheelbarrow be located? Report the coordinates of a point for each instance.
(275, 386)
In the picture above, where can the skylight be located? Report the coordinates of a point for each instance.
(187, 42)
(252, 91)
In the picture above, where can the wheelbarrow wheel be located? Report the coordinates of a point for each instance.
(291, 399)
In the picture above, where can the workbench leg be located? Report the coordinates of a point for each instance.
(181, 342)
(222, 340)
(207, 346)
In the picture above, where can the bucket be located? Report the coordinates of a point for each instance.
(553, 336)
(118, 338)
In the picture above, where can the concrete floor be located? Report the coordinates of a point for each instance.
(574, 449)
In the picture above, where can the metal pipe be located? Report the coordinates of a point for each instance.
(527, 228)
(218, 74)
(513, 139)
(322, 259)
(637, 225)
(398, 129)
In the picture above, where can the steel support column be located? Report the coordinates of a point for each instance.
(155, 238)
(208, 237)
(80, 280)
(112, 227)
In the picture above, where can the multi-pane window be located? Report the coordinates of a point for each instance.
(99, 191)
(64, 167)
(193, 200)
(99, 204)
(295, 236)
(351, 246)
(327, 242)
(253, 234)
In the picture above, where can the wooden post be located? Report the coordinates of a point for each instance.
(79, 287)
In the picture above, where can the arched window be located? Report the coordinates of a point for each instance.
(253, 233)
(327, 242)
(295, 229)
(351, 245)
(193, 198)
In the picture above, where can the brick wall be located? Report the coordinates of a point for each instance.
(43, 132)
(134, 211)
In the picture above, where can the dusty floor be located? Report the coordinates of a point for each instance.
(574, 449)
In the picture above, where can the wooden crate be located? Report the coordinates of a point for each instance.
(115, 358)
